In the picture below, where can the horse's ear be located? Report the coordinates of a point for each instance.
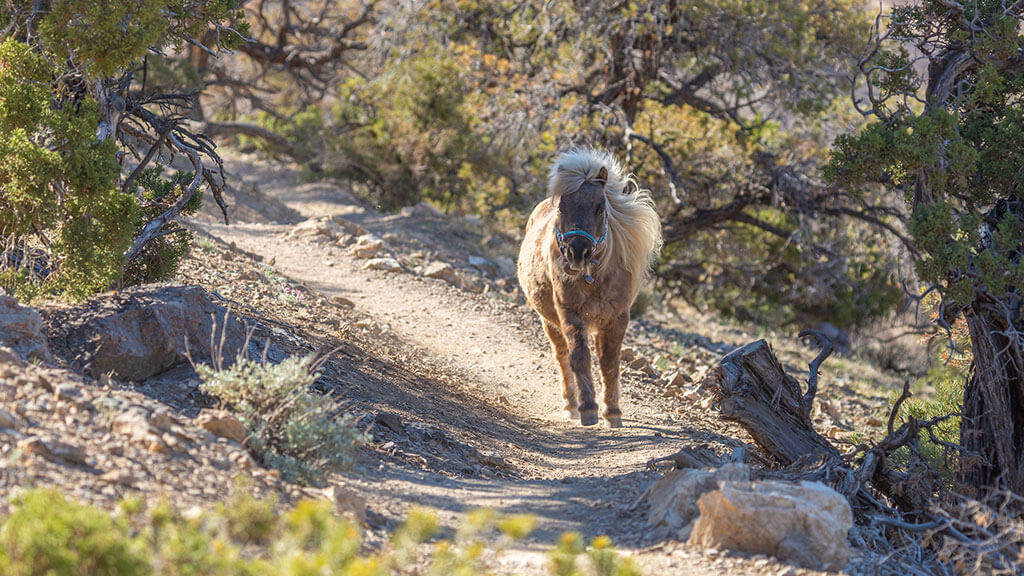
(602, 175)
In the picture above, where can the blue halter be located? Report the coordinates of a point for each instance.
(560, 237)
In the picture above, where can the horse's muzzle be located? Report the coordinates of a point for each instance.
(578, 251)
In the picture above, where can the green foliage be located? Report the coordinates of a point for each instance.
(40, 538)
(47, 535)
(410, 134)
(57, 177)
(958, 162)
(948, 380)
(601, 559)
(65, 73)
(159, 259)
(290, 428)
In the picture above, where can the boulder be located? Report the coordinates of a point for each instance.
(223, 424)
(367, 246)
(672, 500)
(385, 264)
(805, 523)
(321, 229)
(142, 331)
(21, 330)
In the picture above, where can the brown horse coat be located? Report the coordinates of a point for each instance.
(587, 249)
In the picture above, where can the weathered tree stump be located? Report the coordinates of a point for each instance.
(754, 391)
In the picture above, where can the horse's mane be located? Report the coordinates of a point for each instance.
(634, 236)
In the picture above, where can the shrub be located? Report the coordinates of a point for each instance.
(46, 534)
(290, 428)
(71, 125)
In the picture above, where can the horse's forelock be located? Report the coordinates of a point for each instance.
(578, 166)
(635, 228)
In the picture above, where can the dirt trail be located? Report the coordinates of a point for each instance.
(503, 395)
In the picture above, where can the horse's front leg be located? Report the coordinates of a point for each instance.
(575, 331)
(609, 346)
(561, 350)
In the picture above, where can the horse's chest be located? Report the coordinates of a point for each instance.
(597, 309)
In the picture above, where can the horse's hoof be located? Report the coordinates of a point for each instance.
(614, 421)
(571, 413)
(588, 418)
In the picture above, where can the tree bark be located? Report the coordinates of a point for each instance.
(755, 392)
(992, 423)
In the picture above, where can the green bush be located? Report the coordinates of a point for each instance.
(46, 534)
(948, 379)
(71, 127)
(290, 428)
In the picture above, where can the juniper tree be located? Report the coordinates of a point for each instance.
(84, 202)
(951, 146)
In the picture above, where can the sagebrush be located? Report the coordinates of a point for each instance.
(292, 429)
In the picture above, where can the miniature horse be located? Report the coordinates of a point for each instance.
(588, 248)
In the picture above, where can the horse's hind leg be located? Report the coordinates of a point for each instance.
(561, 350)
(609, 345)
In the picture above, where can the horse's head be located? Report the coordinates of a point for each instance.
(581, 224)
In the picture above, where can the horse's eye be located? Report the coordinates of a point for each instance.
(600, 209)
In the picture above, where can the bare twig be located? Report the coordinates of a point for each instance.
(812, 380)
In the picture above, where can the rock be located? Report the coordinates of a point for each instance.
(320, 229)
(385, 264)
(627, 354)
(161, 420)
(492, 459)
(21, 330)
(53, 450)
(421, 210)
(641, 364)
(678, 379)
(367, 246)
(506, 266)
(135, 424)
(482, 264)
(672, 500)
(142, 331)
(390, 420)
(342, 302)
(347, 503)
(222, 423)
(9, 356)
(11, 420)
(68, 393)
(805, 523)
(444, 271)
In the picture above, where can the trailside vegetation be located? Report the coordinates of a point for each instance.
(949, 144)
(84, 202)
(46, 533)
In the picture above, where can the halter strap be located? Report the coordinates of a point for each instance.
(561, 237)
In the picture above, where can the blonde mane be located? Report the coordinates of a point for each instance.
(634, 227)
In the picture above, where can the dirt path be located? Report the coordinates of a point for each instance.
(501, 394)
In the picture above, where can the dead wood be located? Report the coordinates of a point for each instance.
(753, 390)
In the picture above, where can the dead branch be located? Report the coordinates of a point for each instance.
(812, 380)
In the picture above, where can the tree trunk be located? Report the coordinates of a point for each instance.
(992, 425)
(755, 392)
